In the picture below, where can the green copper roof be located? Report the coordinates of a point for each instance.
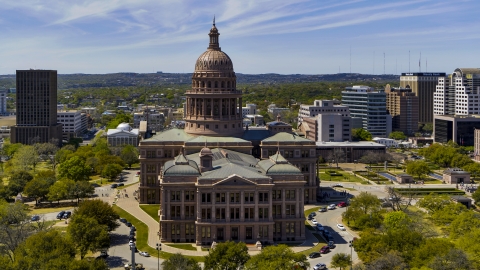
(172, 169)
(286, 137)
(171, 135)
(225, 170)
(208, 139)
(181, 160)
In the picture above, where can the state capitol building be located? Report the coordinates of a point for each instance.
(216, 180)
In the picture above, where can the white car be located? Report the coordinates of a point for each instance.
(130, 243)
(341, 227)
(144, 254)
(320, 266)
(314, 222)
(331, 207)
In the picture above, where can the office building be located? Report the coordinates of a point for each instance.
(74, 123)
(458, 93)
(402, 105)
(123, 135)
(457, 128)
(320, 107)
(36, 101)
(249, 109)
(3, 102)
(423, 85)
(370, 105)
(476, 144)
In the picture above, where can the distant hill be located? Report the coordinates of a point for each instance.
(68, 81)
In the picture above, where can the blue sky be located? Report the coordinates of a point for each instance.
(261, 36)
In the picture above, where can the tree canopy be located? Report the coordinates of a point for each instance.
(179, 262)
(227, 256)
(360, 134)
(279, 257)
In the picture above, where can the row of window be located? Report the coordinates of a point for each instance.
(248, 197)
(220, 213)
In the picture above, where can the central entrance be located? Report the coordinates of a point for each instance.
(234, 233)
(249, 233)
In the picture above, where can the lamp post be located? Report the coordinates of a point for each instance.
(351, 254)
(159, 247)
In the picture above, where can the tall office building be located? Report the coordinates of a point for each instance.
(458, 93)
(402, 105)
(423, 85)
(36, 108)
(370, 105)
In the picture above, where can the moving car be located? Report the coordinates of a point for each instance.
(324, 249)
(331, 207)
(121, 185)
(67, 214)
(341, 227)
(35, 218)
(144, 253)
(320, 266)
(314, 255)
(60, 215)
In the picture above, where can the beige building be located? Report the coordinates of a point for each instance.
(423, 85)
(402, 105)
(216, 181)
(36, 102)
(456, 176)
(476, 151)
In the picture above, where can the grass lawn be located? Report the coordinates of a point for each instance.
(142, 236)
(183, 246)
(316, 248)
(42, 211)
(151, 210)
(314, 209)
(347, 177)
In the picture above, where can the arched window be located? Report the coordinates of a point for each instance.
(223, 84)
(203, 84)
(216, 84)
(209, 85)
(228, 84)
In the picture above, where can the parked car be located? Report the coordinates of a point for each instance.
(331, 244)
(131, 243)
(324, 249)
(322, 209)
(133, 228)
(341, 227)
(121, 185)
(314, 255)
(128, 224)
(60, 215)
(123, 220)
(103, 255)
(331, 207)
(114, 186)
(312, 214)
(320, 266)
(35, 218)
(314, 222)
(342, 204)
(131, 237)
(67, 214)
(310, 217)
(137, 174)
(337, 185)
(144, 254)
(320, 228)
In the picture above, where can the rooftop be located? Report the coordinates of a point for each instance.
(350, 144)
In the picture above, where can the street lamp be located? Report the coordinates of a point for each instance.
(159, 247)
(351, 254)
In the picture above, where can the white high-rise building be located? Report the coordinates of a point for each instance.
(319, 107)
(458, 93)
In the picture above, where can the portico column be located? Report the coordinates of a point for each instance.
(297, 208)
(242, 210)
(283, 204)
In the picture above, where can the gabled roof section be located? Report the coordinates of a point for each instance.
(235, 180)
(277, 164)
(225, 170)
(285, 137)
(278, 159)
(181, 160)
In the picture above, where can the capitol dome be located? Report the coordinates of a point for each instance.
(214, 60)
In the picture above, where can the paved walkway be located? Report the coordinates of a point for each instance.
(132, 206)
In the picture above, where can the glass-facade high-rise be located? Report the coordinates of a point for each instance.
(369, 105)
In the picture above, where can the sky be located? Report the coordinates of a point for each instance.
(260, 36)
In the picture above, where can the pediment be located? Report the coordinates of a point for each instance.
(235, 180)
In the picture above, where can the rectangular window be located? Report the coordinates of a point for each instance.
(189, 196)
(290, 210)
(174, 196)
(249, 213)
(290, 228)
(150, 180)
(263, 213)
(277, 211)
(234, 213)
(305, 153)
(189, 211)
(234, 197)
(263, 196)
(220, 213)
(249, 197)
(175, 230)
(151, 168)
(277, 228)
(205, 232)
(175, 212)
(288, 153)
(277, 195)
(206, 197)
(290, 194)
(220, 197)
(189, 229)
(206, 213)
(151, 154)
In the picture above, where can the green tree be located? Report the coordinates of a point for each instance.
(448, 213)
(391, 261)
(26, 157)
(470, 244)
(63, 154)
(364, 210)
(45, 250)
(38, 188)
(341, 260)
(476, 196)
(360, 134)
(464, 223)
(87, 234)
(17, 182)
(460, 160)
(129, 155)
(227, 256)
(430, 248)
(473, 168)
(397, 135)
(74, 168)
(434, 202)
(112, 171)
(60, 190)
(10, 149)
(180, 262)
(455, 259)
(279, 257)
(81, 189)
(47, 152)
(419, 168)
(396, 220)
(101, 211)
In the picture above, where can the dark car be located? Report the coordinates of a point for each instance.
(67, 214)
(60, 215)
(103, 255)
(312, 214)
(35, 218)
(114, 186)
(331, 244)
(310, 217)
(314, 255)
(324, 249)
(128, 224)
(123, 220)
(121, 185)
(132, 232)
(131, 237)
(133, 228)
